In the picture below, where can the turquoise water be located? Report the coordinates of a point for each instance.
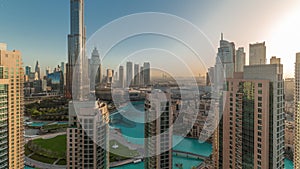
(40, 124)
(62, 122)
(187, 164)
(133, 131)
(27, 167)
(37, 124)
(288, 164)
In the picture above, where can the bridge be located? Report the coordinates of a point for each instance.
(189, 155)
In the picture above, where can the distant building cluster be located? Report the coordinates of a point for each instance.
(36, 83)
(133, 75)
(250, 130)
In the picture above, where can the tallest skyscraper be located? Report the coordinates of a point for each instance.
(76, 50)
(88, 131)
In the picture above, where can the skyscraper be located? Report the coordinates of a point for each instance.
(257, 54)
(76, 47)
(158, 131)
(38, 70)
(48, 71)
(297, 112)
(121, 76)
(13, 73)
(87, 136)
(99, 75)
(251, 131)
(136, 74)
(93, 68)
(240, 60)
(210, 76)
(109, 75)
(62, 67)
(225, 62)
(146, 73)
(128, 74)
(4, 83)
(273, 73)
(27, 70)
(142, 76)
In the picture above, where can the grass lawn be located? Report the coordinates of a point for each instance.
(27, 150)
(42, 159)
(57, 144)
(61, 162)
(122, 150)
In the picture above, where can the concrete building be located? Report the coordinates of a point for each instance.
(62, 67)
(13, 73)
(55, 80)
(274, 60)
(38, 70)
(129, 74)
(142, 76)
(210, 76)
(88, 136)
(4, 86)
(225, 63)
(109, 76)
(94, 64)
(297, 112)
(27, 70)
(257, 54)
(147, 74)
(289, 85)
(240, 60)
(121, 76)
(99, 76)
(158, 130)
(136, 74)
(76, 46)
(251, 131)
(273, 73)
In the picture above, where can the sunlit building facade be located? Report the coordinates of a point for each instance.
(13, 73)
(88, 136)
(297, 112)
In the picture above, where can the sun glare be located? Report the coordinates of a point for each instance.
(285, 40)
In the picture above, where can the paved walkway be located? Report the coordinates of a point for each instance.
(41, 165)
(116, 135)
(46, 136)
(120, 163)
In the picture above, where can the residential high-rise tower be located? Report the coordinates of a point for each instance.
(297, 112)
(158, 130)
(12, 72)
(129, 74)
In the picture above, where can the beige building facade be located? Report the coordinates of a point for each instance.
(11, 61)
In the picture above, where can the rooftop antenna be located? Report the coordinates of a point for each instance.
(221, 36)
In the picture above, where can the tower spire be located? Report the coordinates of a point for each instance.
(221, 36)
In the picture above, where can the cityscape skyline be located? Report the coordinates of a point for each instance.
(104, 107)
(269, 31)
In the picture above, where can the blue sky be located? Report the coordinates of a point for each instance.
(39, 28)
